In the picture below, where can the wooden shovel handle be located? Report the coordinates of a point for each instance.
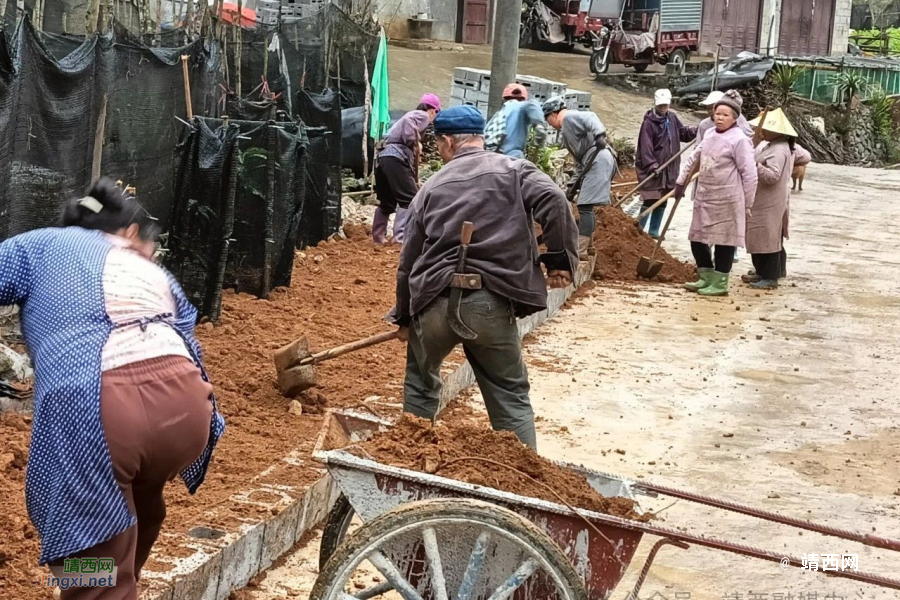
(662, 201)
(351, 347)
(640, 185)
(466, 236)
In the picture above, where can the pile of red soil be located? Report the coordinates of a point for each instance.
(415, 444)
(20, 546)
(340, 292)
(620, 243)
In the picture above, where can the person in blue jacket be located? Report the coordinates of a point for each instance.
(122, 403)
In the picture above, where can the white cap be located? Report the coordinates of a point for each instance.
(662, 97)
(713, 97)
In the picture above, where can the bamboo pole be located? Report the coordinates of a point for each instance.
(100, 133)
(366, 112)
(238, 46)
(92, 23)
(187, 87)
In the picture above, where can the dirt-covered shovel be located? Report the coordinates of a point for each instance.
(648, 268)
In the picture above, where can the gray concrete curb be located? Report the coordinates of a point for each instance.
(219, 562)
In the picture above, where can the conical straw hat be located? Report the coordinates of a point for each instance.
(776, 122)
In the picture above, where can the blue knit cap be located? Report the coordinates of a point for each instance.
(459, 120)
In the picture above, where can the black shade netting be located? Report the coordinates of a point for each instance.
(324, 111)
(241, 195)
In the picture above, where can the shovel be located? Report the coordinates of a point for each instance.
(296, 366)
(641, 185)
(648, 268)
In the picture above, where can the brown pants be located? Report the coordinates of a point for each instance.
(156, 417)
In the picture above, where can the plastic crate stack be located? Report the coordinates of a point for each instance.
(291, 10)
(472, 87)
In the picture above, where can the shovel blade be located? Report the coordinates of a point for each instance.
(292, 382)
(648, 269)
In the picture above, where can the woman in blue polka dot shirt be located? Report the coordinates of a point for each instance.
(122, 403)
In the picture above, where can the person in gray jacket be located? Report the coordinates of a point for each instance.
(595, 166)
(500, 195)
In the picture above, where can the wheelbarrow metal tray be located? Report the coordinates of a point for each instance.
(374, 488)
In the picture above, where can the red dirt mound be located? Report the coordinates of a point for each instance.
(620, 243)
(415, 444)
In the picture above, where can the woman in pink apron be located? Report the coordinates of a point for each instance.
(726, 188)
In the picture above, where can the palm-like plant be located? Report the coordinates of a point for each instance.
(850, 84)
(785, 78)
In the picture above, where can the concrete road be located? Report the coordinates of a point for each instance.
(785, 400)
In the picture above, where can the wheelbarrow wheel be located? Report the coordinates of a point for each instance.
(449, 548)
(336, 526)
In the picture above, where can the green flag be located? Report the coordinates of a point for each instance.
(381, 116)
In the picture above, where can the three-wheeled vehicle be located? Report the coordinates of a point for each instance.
(558, 22)
(637, 33)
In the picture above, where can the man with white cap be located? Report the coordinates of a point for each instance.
(707, 124)
(662, 133)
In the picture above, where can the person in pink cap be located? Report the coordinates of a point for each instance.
(397, 168)
(431, 104)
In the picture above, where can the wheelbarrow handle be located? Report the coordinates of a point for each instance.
(881, 542)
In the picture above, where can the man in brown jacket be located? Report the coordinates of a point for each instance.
(501, 196)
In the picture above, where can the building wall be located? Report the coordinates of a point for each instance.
(393, 14)
(772, 8)
(770, 20)
(841, 31)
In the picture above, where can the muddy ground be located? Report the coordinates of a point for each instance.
(783, 400)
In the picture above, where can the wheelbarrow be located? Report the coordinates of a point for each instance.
(428, 537)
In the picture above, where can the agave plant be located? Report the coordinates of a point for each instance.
(882, 112)
(850, 84)
(785, 78)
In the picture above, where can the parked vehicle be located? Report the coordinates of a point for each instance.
(559, 22)
(638, 33)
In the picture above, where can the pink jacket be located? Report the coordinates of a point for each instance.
(726, 187)
(801, 156)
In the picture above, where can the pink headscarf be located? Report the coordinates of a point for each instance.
(431, 100)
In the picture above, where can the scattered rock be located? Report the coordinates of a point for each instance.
(759, 337)
(6, 461)
(295, 408)
(728, 435)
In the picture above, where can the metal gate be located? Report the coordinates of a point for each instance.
(476, 21)
(732, 23)
(806, 27)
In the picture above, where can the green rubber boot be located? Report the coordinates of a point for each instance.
(718, 285)
(700, 283)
